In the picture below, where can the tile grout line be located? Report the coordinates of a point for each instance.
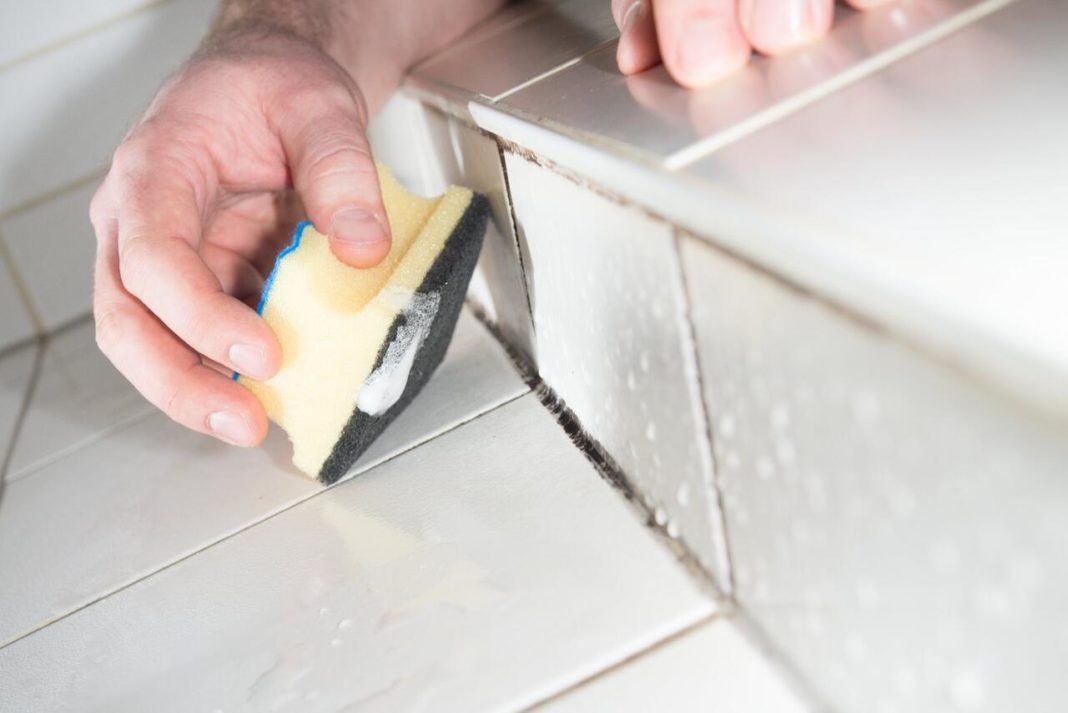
(515, 240)
(248, 526)
(622, 663)
(839, 308)
(122, 424)
(705, 147)
(58, 192)
(21, 286)
(550, 72)
(694, 358)
(24, 409)
(77, 35)
(600, 459)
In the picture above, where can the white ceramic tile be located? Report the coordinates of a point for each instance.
(79, 398)
(903, 269)
(27, 27)
(480, 571)
(933, 195)
(53, 246)
(16, 370)
(15, 322)
(144, 496)
(428, 150)
(651, 116)
(713, 668)
(497, 63)
(612, 343)
(896, 528)
(65, 111)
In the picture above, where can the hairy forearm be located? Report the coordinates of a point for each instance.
(376, 41)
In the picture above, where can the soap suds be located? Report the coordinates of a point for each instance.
(386, 384)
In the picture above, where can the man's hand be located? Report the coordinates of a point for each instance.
(196, 205)
(701, 41)
(263, 127)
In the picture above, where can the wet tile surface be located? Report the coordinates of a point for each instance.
(144, 496)
(612, 343)
(650, 116)
(712, 668)
(879, 504)
(79, 398)
(930, 200)
(444, 580)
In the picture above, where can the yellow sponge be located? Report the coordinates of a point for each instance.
(358, 345)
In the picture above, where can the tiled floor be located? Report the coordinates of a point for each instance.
(477, 562)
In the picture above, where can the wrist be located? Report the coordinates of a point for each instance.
(350, 34)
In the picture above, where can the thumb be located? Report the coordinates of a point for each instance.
(337, 181)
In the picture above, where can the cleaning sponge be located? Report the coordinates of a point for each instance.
(359, 344)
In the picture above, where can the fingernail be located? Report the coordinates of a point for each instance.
(709, 48)
(230, 427)
(250, 360)
(778, 26)
(357, 227)
(630, 16)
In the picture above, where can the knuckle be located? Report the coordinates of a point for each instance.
(110, 327)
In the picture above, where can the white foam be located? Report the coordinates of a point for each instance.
(385, 385)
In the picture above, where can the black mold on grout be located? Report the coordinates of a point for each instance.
(523, 267)
(602, 461)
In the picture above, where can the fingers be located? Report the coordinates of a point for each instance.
(335, 176)
(638, 49)
(776, 26)
(158, 227)
(700, 40)
(164, 369)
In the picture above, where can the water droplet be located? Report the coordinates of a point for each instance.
(643, 361)
(967, 690)
(854, 647)
(866, 407)
(650, 431)
(867, 595)
(632, 382)
(672, 530)
(906, 681)
(660, 517)
(324, 611)
(335, 642)
(944, 555)
(780, 417)
(344, 624)
(726, 425)
(785, 452)
(682, 495)
(764, 468)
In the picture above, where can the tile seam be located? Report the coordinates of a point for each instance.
(59, 191)
(7, 260)
(601, 460)
(78, 35)
(703, 148)
(248, 526)
(691, 348)
(624, 662)
(24, 407)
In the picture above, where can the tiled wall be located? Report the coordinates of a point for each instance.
(73, 76)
